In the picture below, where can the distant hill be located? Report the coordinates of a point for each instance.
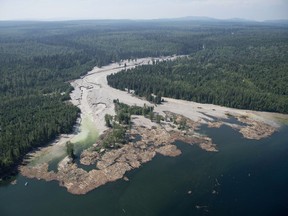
(282, 21)
(236, 20)
(197, 18)
(208, 19)
(203, 19)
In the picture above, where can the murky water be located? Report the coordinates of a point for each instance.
(245, 177)
(86, 136)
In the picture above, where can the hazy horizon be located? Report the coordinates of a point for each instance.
(45, 10)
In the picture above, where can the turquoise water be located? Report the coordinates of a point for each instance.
(85, 138)
(244, 178)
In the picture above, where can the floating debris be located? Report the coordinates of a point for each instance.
(217, 182)
(205, 208)
(200, 207)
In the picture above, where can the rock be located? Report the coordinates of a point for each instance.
(169, 150)
(89, 157)
(146, 156)
(113, 164)
(39, 172)
(102, 150)
(215, 124)
(255, 129)
(208, 146)
(14, 182)
(116, 171)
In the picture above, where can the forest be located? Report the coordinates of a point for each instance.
(242, 70)
(38, 59)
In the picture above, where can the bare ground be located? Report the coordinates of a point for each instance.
(95, 99)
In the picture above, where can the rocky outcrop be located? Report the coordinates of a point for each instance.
(89, 157)
(255, 129)
(169, 150)
(40, 172)
(111, 165)
(215, 124)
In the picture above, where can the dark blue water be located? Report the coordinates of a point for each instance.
(244, 178)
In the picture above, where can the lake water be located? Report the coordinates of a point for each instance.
(244, 178)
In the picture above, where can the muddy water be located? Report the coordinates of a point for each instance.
(85, 136)
(245, 177)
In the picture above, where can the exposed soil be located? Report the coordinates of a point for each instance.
(181, 121)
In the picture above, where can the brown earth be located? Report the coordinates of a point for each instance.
(95, 99)
(112, 165)
(255, 129)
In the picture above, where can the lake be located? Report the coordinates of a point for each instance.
(246, 177)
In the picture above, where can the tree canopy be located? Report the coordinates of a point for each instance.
(246, 70)
(244, 61)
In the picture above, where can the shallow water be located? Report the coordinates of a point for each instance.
(86, 135)
(245, 177)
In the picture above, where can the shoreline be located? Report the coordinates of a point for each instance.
(95, 99)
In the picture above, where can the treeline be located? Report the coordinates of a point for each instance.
(37, 59)
(31, 121)
(245, 71)
(120, 123)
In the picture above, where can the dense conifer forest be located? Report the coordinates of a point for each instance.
(37, 60)
(246, 69)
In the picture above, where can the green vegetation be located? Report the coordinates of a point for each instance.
(116, 137)
(108, 120)
(124, 112)
(37, 59)
(246, 70)
(120, 123)
(70, 150)
(183, 124)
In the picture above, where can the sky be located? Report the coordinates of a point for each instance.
(258, 10)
